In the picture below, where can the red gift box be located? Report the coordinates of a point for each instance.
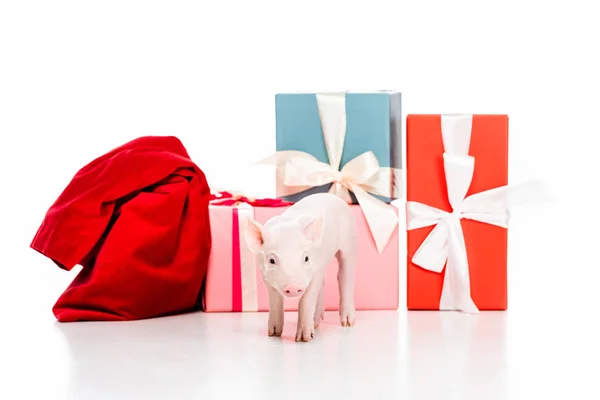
(469, 155)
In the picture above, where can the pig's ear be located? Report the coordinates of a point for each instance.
(254, 235)
(313, 228)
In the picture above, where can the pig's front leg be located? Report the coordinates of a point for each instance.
(275, 311)
(320, 308)
(306, 310)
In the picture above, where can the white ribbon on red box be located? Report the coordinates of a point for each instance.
(445, 245)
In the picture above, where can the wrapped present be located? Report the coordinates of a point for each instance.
(458, 210)
(346, 143)
(233, 280)
(356, 138)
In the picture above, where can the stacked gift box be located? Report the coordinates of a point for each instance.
(344, 143)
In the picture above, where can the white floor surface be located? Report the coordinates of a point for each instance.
(387, 355)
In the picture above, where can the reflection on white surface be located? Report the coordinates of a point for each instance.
(387, 354)
(154, 358)
(457, 355)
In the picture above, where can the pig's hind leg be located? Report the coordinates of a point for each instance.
(346, 257)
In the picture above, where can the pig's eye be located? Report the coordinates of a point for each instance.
(305, 258)
(272, 261)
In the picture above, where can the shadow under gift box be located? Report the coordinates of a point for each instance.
(234, 282)
(426, 183)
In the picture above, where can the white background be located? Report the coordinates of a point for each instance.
(79, 78)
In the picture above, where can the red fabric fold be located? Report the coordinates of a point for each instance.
(136, 219)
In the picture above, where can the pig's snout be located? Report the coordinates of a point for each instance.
(292, 290)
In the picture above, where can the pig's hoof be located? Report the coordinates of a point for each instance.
(275, 329)
(347, 317)
(318, 318)
(305, 334)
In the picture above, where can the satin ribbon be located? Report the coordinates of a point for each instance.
(445, 245)
(244, 293)
(226, 198)
(298, 171)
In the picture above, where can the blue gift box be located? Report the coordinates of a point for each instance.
(373, 123)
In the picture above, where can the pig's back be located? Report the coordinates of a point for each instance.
(337, 215)
(330, 205)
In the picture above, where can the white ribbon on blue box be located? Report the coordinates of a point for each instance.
(346, 143)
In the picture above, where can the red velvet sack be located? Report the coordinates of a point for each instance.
(137, 221)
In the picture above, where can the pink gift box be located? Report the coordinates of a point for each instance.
(233, 280)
